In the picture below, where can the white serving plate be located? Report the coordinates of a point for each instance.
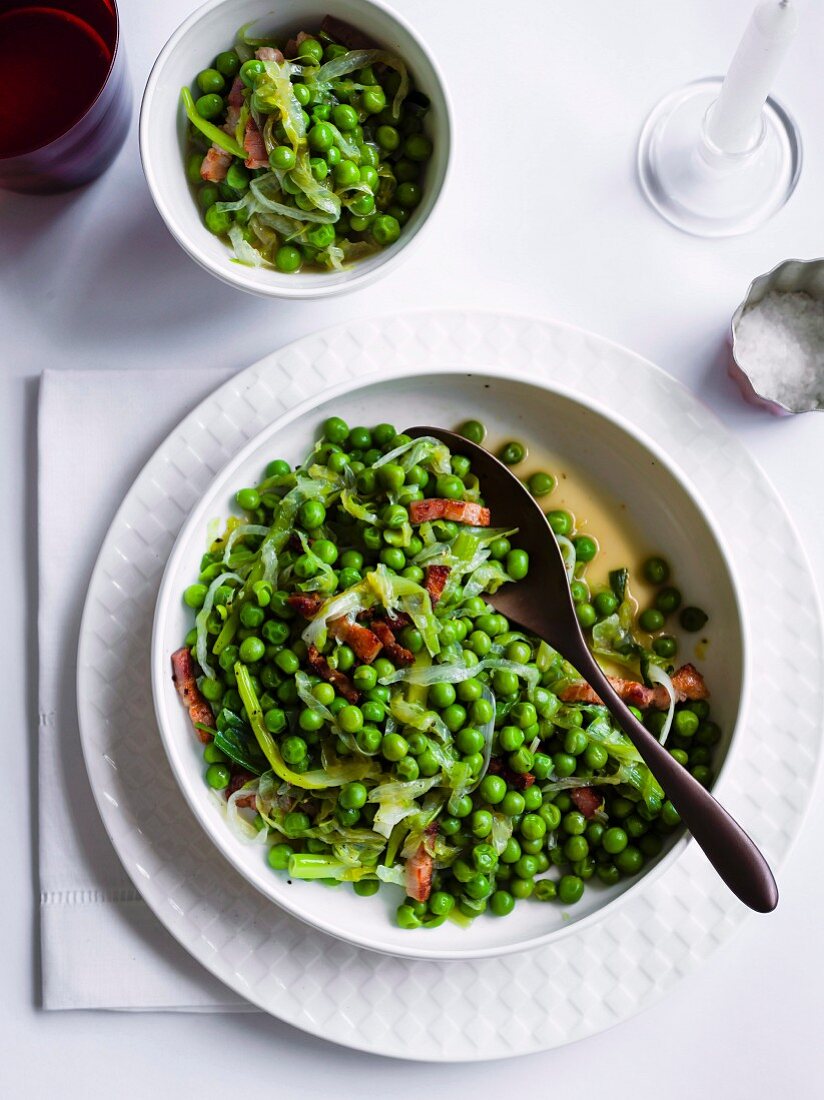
(653, 499)
(475, 1009)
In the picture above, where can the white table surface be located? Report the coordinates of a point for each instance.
(546, 94)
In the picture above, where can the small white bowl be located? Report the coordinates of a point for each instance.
(656, 502)
(191, 48)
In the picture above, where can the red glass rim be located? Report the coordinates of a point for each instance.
(8, 7)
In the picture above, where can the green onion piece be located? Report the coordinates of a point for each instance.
(208, 129)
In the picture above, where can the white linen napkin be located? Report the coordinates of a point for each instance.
(101, 946)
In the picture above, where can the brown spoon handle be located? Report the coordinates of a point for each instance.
(728, 848)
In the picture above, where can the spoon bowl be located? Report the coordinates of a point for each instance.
(542, 604)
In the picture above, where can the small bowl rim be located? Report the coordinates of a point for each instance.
(743, 376)
(235, 275)
(223, 839)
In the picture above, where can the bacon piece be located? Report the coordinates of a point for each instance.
(687, 682)
(232, 116)
(307, 604)
(239, 778)
(346, 34)
(514, 779)
(435, 581)
(268, 53)
(586, 800)
(292, 45)
(184, 678)
(215, 165)
(235, 96)
(256, 156)
(339, 680)
(397, 620)
(366, 644)
(397, 653)
(420, 866)
(458, 511)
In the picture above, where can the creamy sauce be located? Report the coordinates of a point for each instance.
(599, 515)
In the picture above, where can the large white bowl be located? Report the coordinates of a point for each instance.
(194, 44)
(658, 504)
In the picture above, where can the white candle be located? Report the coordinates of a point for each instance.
(735, 119)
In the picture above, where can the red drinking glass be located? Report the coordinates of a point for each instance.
(66, 100)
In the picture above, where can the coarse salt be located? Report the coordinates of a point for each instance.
(779, 343)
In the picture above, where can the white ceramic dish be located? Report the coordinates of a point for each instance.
(656, 503)
(204, 34)
(607, 970)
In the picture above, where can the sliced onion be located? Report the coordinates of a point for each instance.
(567, 549)
(658, 676)
(488, 730)
(239, 532)
(203, 615)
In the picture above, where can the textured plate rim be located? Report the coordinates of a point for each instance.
(353, 1041)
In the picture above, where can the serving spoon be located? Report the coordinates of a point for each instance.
(542, 604)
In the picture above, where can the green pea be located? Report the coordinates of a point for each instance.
(294, 749)
(418, 147)
(278, 856)
(283, 157)
(614, 840)
(586, 614)
(227, 63)
(388, 138)
(585, 548)
(501, 903)
(510, 738)
(394, 747)
(217, 221)
(492, 789)
(210, 80)
(693, 619)
(570, 889)
(576, 848)
(665, 645)
(310, 51)
(595, 756)
(541, 484)
(352, 796)
(195, 595)
(346, 173)
(473, 430)
(605, 604)
(345, 117)
(560, 522)
(517, 564)
(209, 106)
(251, 71)
(512, 453)
(278, 467)
(363, 205)
(629, 861)
(251, 649)
(441, 903)
(321, 137)
(408, 195)
(288, 259)
(482, 712)
(311, 514)
(668, 599)
(218, 776)
(533, 826)
(656, 570)
(651, 620)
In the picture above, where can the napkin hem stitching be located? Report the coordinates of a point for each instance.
(89, 897)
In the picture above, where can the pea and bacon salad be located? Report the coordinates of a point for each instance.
(307, 156)
(369, 718)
